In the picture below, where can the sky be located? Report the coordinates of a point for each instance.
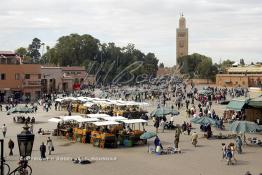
(220, 29)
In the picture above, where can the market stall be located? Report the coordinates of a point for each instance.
(131, 136)
(103, 136)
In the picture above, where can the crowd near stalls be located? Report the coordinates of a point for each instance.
(244, 108)
(87, 105)
(100, 130)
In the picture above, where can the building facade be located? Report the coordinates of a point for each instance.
(64, 79)
(181, 38)
(52, 79)
(246, 76)
(18, 81)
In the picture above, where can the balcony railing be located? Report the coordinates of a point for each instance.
(32, 83)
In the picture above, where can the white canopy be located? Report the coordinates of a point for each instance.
(103, 102)
(105, 123)
(82, 99)
(133, 121)
(97, 115)
(59, 100)
(90, 101)
(55, 120)
(114, 118)
(70, 118)
(88, 104)
(70, 98)
(87, 120)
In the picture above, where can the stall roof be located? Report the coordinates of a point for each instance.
(59, 100)
(237, 104)
(97, 115)
(88, 104)
(55, 120)
(133, 121)
(70, 118)
(103, 102)
(256, 102)
(114, 118)
(105, 123)
(87, 120)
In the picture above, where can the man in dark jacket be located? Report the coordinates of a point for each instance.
(156, 125)
(11, 146)
(43, 150)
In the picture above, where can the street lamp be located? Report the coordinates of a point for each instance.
(25, 142)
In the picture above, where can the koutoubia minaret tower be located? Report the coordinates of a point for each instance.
(181, 38)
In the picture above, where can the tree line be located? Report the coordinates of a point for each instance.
(109, 62)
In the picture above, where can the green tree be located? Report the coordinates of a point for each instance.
(23, 53)
(242, 62)
(33, 50)
(225, 65)
(106, 60)
(197, 66)
(161, 65)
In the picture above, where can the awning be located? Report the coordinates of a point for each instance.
(106, 123)
(87, 120)
(114, 118)
(256, 102)
(97, 115)
(236, 105)
(133, 121)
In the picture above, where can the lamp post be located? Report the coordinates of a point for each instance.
(25, 143)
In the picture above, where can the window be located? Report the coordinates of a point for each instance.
(181, 44)
(181, 34)
(17, 76)
(2, 76)
(27, 76)
(39, 76)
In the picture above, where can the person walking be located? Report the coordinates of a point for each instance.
(69, 109)
(188, 127)
(4, 130)
(31, 129)
(233, 149)
(239, 144)
(43, 151)
(50, 146)
(172, 119)
(194, 138)
(177, 135)
(156, 125)
(162, 124)
(187, 104)
(229, 155)
(11, 146)
(224, 149)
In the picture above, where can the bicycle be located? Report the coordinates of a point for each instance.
(22, 169)
(6, 168)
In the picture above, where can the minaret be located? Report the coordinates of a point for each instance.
(181, 38)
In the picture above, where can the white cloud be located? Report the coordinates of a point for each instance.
(218, 28)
